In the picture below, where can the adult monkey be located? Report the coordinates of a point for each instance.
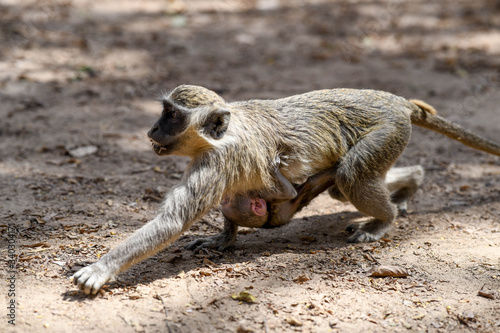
(232, 145)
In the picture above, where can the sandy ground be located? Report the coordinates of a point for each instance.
(83, 74)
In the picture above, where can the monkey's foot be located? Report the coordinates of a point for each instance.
(219, 242)
(402, 208)
(91, 278)
(367, 232)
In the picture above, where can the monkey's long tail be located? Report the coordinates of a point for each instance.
(426, 116)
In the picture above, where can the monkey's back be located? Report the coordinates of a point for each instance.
(330, 122)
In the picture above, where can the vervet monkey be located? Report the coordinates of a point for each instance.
(359, 132)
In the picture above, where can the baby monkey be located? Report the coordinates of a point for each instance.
(252, 207)
(275, 208)
(268, 208)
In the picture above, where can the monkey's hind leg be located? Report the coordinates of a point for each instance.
(220, 242)
(403, 182)
(335, 193)
(361, 178)
(372, 200)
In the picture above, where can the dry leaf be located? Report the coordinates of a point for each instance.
(42, 244)
(420, 316)
(58, 262)
(158, 169)
(170, 257)
(83, 151)
(134, 297)
(301, 279)
(211, 301)
(389, 271)
(49, 217)
(51, 274)
(242, 329)
(207, 262)
(293, 321)
(307, 238)
(467, 318)
(486, 294)
(244, 296)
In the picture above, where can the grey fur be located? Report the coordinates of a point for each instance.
(360, 132)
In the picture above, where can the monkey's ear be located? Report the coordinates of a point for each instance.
(217, 123)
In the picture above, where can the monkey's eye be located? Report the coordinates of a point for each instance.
(174, 114)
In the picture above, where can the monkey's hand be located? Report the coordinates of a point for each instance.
(275, 163)
(91, 278)
(219, 242)
(367, 232)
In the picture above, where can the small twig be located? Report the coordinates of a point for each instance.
(125, 320)
(462, 321)
(484, 294)
(369, 257)
(166, 312)
(487, 295)
(152, 198)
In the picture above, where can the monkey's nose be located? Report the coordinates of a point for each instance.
(152, 131)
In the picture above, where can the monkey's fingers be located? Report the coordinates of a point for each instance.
(360, 236)
(202, 243)
(366, 232)
(91, 278)
(402, 210)
(218, 242)
(351, 228)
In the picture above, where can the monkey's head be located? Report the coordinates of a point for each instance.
(247, 210)
(193, 120)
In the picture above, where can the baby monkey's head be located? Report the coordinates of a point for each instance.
(246, 211)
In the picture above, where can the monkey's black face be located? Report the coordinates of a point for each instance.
(164, 134)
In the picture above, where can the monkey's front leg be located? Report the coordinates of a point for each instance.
(220, 241)
(91, 278)
(146, 241)
(183, 205)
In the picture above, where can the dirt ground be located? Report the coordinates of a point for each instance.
(79, 82)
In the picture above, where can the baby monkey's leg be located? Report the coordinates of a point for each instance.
(282, 213)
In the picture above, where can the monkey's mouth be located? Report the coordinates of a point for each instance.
(160, 149)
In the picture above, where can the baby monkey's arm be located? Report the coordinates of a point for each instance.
(283, 190)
